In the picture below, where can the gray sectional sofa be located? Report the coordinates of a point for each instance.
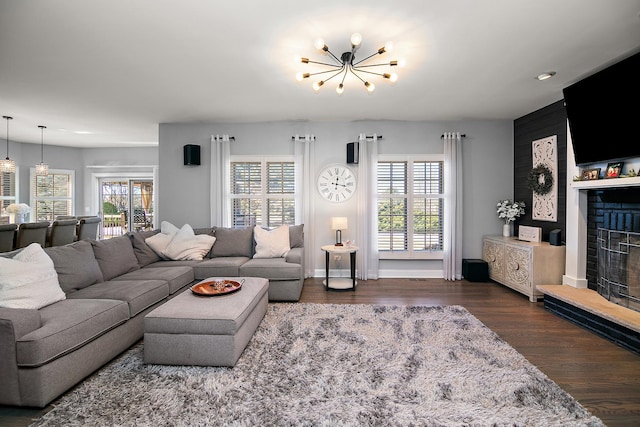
(109, 286)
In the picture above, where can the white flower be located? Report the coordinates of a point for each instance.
(18, 208)
(509, 211)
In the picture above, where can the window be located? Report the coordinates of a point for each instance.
(52, 194)
(410, 207)
(7, 192)
(263, 192)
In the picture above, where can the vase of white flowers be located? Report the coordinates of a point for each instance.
(17, 212)
(508, 211)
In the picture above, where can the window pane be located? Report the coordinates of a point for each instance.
(281, 178)
(392, 224)
(427, 224)
(246, 177)
(427, 177)
(392, 177)
(281, 211)
(246, 212)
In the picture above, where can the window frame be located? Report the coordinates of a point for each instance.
(264, 194)
(409, 197)
(13, 198)
(33, 199)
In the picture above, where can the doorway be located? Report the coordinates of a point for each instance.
(126, 205)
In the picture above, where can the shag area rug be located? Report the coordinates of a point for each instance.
(335, 365)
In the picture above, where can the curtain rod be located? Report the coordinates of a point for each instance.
(462, 135)
(371, 137)
(216, 137)
(302, 138)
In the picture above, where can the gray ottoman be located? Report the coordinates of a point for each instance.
(205, 331)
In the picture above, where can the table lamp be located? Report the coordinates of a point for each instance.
(338, 223)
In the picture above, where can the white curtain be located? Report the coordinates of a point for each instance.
(219, 199)
(452, 257)
(305, 160)
(367, 209)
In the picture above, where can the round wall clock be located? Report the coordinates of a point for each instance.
(336, 183)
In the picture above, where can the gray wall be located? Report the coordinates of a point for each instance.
(183, 191)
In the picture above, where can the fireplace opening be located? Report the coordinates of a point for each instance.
(618, 254)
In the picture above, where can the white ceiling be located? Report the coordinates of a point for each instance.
(117, 68)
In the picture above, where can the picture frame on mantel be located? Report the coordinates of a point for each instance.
(614, 170)
(590, 174)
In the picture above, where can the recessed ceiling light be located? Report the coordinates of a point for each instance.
(82, 132)
(545, 76)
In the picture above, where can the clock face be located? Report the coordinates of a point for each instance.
(336, 183)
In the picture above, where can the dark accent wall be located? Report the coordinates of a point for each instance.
(548, 121)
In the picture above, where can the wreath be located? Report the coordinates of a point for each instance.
(537, 185)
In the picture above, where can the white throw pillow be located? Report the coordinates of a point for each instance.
(186, 245)
(160, 241)
(271, 243)
(29, 280)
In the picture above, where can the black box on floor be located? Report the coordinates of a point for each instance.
(475, 270)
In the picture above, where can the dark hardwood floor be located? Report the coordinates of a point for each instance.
(602, 376)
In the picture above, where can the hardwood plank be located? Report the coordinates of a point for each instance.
(602, 376)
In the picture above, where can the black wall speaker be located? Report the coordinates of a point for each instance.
(353, 151)
(555, 237)
(191, 154)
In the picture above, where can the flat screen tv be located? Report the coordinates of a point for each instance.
(604, 115)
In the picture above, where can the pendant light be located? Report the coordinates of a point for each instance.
(7, 165)
(42, 168)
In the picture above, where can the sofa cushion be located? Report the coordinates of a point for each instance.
(141, 249)
(28, 280)
(177, 276)
(271, 243)
(115, 256)
(139, 294)
(68, 325)
(296, 236)
(218, 267)
(271, 268)
(75, 264)
(186, 245)
(235, 242)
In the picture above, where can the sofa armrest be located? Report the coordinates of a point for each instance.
(295, 255)
(21, 320)
(14, 323)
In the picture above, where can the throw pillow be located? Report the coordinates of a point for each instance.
(271, 243)
(160, 241)
(186, 245)
(233, 242)
(76, 265)
(115, 256)
(143, 252)
(28, 280)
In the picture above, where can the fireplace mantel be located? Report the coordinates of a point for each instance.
(606, 183)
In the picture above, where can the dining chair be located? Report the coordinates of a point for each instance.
(7, 237)
(62, 232)
(88, 227)
(32, 232)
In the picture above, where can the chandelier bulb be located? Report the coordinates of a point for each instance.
(340, 89)
(317, 85)
(370, 86)
(356, 39)
(393, 77)
(319, 44)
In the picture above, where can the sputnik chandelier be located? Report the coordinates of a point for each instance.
(346, 64)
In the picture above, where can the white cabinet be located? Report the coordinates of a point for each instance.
(523, 266)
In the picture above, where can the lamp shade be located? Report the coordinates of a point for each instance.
(339, 223)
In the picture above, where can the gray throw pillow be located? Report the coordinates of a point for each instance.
(76, 265)
(296, 236)
(233, 242)
(115, 256)
(143, 252)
